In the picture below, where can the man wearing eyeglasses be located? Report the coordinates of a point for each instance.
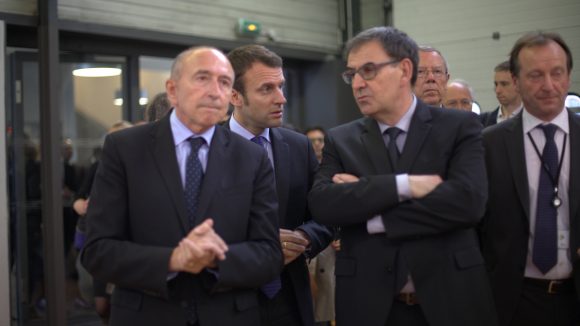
(406, 184)
(432, 76)
(459, 95)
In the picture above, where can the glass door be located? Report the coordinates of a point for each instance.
(89, 105)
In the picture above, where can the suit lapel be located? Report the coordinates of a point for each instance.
(373, 142)
(574, 181)
(281, 155)
(418, 131)
(163, 148)
(214, 171)
(514, 140)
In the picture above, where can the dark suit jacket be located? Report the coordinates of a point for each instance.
(434, 236)
(137, 216)
(489, 118)
(294, 165)
(505, 227)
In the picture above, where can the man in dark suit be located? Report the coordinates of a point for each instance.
(530, 232)
(186, 239)
(407, 204)
(258, 102)
(510, 102)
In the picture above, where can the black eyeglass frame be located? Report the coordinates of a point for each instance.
(349, 74)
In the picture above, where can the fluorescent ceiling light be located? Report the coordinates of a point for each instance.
(97, 72)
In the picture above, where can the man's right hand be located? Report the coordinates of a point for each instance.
(422, 185)
(198, 250)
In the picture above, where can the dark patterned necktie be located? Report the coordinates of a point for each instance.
(271, 288)
(392, 148)
(193, 179)
(545, 254)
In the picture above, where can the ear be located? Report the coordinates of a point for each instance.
(407, 70)
(170, 89)
(237, 98)
(516, 81)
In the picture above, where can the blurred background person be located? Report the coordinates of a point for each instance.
(92, 291)
(158, 107)
(510, 102)
(459, 95)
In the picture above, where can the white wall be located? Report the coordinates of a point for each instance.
(462, 30)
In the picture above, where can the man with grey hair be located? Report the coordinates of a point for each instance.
(459, 95)
(432, 76)
(182, 225)
(406, 185)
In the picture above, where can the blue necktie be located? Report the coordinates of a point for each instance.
(545, 254)
(271, 288)
(392, 148)
(193, 179)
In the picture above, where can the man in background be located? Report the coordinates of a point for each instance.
(459, 95)
(432, 76)
(510, 102)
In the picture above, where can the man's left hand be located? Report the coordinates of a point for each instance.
(294, 244)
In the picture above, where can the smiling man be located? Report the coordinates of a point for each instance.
(406, 185)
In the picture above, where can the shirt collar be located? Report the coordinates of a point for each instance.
(236, 127)
(181, 133)
(530, 122)
(405, 121)
(516, 111)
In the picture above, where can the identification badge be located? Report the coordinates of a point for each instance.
(563, 239)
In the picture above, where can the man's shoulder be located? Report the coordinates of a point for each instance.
(290, 135)
(352, 126)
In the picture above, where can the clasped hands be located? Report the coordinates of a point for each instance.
(200, 249)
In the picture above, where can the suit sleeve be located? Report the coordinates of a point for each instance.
(258, 259)
(109, 253)
(458, 202)
(320, 235)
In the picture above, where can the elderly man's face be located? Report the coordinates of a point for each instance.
(202, 91)
(458, 97)
(432, 78)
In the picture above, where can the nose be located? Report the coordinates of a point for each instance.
(280, 98)
(548, 83)
(358, 81)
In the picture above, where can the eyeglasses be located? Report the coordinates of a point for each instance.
(438, 73)
(367, 71)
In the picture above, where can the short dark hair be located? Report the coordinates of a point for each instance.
(504, 66)
(315, 128)
(242, 58)
(397, 44)
(158, 107)
(537, 38)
